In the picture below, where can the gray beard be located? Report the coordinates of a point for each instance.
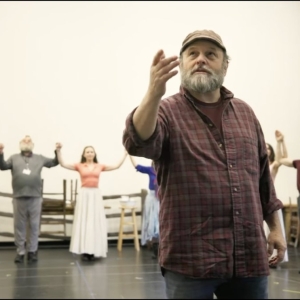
(201, 83)
(26, 148)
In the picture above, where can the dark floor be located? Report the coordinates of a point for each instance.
(126, 275)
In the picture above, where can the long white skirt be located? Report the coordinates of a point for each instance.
(89, 231)
(150, 224)
(267, 231)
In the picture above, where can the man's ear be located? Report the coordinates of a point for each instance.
(225, 67)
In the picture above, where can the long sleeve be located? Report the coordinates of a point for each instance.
(5, 165)
(144, 169)
(51, 162)
(152, 176)
(151, 148)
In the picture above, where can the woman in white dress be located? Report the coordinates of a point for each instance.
(89, 230)
(274, 164)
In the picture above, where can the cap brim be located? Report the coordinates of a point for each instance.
(202, 38)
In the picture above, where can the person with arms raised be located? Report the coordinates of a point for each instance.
(213, 176)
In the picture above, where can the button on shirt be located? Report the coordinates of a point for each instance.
(211, 215)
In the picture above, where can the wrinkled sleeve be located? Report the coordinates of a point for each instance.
(151, 148)
(268, 197)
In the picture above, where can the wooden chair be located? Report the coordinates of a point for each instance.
(70, 205)
(54, 211)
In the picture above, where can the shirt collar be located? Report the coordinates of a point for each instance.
(225, 94)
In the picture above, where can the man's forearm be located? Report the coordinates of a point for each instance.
(145, 117)
(3, 164)
(273, 221)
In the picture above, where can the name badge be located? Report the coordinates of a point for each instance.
(26, 171)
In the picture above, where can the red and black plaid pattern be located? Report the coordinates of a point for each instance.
(214, 190)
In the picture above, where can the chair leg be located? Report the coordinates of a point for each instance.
(65, 224)
(120, 239)
(136, 237)
(297, 235)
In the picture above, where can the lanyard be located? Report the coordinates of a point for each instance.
(26, 160)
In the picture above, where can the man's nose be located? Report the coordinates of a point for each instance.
(201, 59)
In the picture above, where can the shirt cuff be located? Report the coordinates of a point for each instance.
(275, 205)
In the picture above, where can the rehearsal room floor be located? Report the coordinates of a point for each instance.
(125, 275)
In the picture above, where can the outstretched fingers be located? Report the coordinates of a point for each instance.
(162, 70)
(158, 57)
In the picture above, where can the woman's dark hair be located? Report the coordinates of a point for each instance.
(83, 159)
(272, 153)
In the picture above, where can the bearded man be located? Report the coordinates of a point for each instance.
(214, 183)
(26, 168)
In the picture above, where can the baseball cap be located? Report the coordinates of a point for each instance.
(202, 34)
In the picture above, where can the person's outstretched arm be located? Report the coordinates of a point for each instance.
(146, 127)
(145, 116)
(287, 162)
(4, 165)
(133, 161)
(281, 151)
(118, 165)
(50, 162)
(60, 160)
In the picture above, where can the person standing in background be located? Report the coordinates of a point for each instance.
(150, 223)
(214, 183)
(89, 230)
(26, 168)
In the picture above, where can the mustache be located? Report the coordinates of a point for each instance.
(202, 69)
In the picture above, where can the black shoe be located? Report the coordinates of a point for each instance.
(19, 259)
(272, 266)
(84, 257)
(32, 257)
(91, 257)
